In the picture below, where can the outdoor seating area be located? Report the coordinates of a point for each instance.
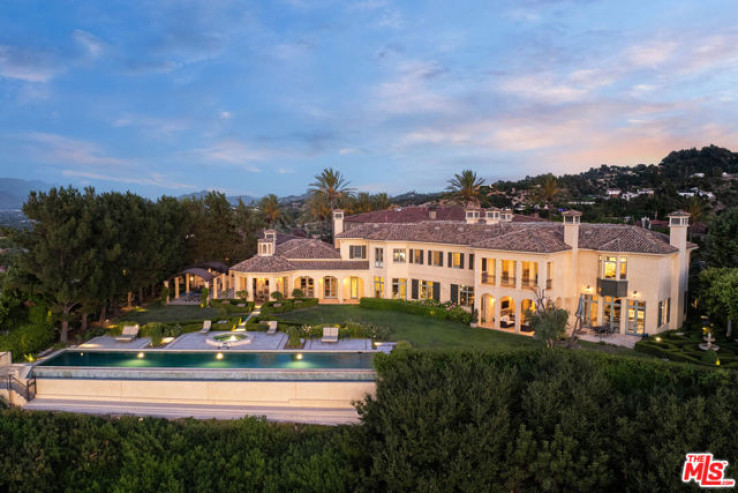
(129, 333)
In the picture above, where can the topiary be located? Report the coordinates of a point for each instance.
(297, 293)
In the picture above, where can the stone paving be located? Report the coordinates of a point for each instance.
(623, 340)
(197, 341)
(341, 345)
(109, 342)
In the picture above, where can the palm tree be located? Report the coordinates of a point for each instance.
(363, 202)
(463, 188)
(269, 206)
(330, 185)
(695, 206)
(381, 202)
(549, 190)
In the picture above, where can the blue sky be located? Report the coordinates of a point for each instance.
(177, 96)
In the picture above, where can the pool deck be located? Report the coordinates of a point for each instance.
(321, 416)
(109, 342)
(195, 341)
(341, 345)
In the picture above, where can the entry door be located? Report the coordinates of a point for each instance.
(612, 312)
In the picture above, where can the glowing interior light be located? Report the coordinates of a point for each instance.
(299, 355)
(140, 355)
(219, 356)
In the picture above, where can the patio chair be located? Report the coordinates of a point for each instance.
(129, 333)
(272, 328)
(507, 321)
(206, 326)
(330, 334)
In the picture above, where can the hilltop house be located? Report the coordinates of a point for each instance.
(626, 277)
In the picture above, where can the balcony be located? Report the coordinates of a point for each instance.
(507, 280)
(549, 283)
(529, 282)
(613, 288)
(488, 278)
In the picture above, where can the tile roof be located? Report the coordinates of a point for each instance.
(300, 254)
(331, 264)
(417, 214)
(303, 248)
(271, 263)
(542, 237)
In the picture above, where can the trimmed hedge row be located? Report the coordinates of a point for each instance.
(426, 308)
(287, 305)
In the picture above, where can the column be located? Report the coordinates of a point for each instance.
(272, 286)
(541, 284)
(250, 288)
(166, 285)
(518, 313)
(623, 315)
(215, 288)
(176, 287)
(498, 269)
(341, 287)
(496, 321)
(187, 283)
(518, 278)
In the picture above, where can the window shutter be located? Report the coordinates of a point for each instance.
(471, 261)
(430, 257)
(437, 291)
(454, 293)
(440, 259)
(411, 255)
(450, 259)
(484, 265)
(420, 261)
(414, 292)
(461, 265)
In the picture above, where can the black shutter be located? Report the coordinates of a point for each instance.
(471, 261)
(437, 291)
(484, 265)
(454, 293)
(414, 292)
(461, 261)
(411, 255)
(421, 257)
(440, 259)
(430, 257)
(450, 259)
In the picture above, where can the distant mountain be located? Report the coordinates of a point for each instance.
(13, 191)
(233, 199)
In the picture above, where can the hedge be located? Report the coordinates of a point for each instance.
(31, 337)
(508, 420)
(426, 308)
(287, 305)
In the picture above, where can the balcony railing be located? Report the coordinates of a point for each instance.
(530, 282)
(488, 278)
(614, 288)
(507, 280)
(549, 283)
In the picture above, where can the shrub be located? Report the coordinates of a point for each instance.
(31, 337)
(277, 296)
(297, 293)
(204, 294)
(164, 294)
(294, 338)
(427, 308)
(709, 358)
(287, 305)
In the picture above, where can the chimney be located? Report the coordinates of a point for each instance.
(337, 224)
(492, 216)
(432, 212)
(678, 225)
(472, 215)
(571, 228)
(507, 215)
(267, 245)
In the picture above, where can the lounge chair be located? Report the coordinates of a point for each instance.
(129, 333)
(330, 334)
(272, 328)
(507, 321)
(206, 327)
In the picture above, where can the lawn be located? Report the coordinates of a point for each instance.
(422, 332)
(168, 313)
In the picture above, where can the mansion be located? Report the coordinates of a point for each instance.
(627, 278)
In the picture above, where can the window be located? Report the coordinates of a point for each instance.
(489, 269)
(379, 257)
(530, 274)
(355, 288)
(549, 275)
(610, 268)
(435, 258)
(416, 256)
(611, 312)
(664, 309)
(508, 273)
(466, 296)
(456, 260)
(399, 255)
(357, 251)
(307, 286)
(399, 288)
(636, 317)
(330, 287)
(379, 287)
(428, 290)
(471, 261)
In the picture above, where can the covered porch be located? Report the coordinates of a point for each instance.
(186, 286)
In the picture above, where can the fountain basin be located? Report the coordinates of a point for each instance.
(230, 339)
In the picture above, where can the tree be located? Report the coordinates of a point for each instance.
(329, 186)
(718, 295)
(463, 188)
(363, 203)
(722, 240)
(549, 190)
(381, 202)
(269, 206)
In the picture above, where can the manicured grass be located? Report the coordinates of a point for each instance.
(422, 332)
(169, 313)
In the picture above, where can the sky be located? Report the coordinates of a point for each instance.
(177, 96)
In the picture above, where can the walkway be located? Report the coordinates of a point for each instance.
(321, 416)
(109, 342)
(623, 340)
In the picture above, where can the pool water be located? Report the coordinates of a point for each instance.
(213, 359)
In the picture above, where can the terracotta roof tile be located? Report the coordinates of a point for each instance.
(303, 248)
(417, 214)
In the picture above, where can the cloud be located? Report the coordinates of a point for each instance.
(650, 53)
(92, 44)
(57, 149)
(235, 152)
(27, 65)
(154, 179)
(409, 91)
(153, 126)
(225, 115)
